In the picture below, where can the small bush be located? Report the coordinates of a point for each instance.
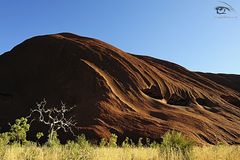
(18, 131)
(140, 144)
(113, 140)
(103, 142)
(126, 143)
(4, 138)
(132, 144)
(39, 135)
(154, 144)
(53, 139)
(176, 142)
(82, 141)
(78, 150)
(148, 142)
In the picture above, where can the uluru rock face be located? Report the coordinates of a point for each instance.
(117, 92)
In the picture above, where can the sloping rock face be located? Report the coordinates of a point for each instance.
(117, 92)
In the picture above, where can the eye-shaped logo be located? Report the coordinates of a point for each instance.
(224, 8)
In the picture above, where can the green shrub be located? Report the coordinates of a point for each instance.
(103, 142)
(132, 144)
(148, 142)
(113, 140)
(53, 139)
(39, 135)
(77, 151)
(18, 131)
(176, 142)
(154, 144)
(4, 138)
(140, 144)
(82, 141)
(126, 143)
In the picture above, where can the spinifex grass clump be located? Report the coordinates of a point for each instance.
(176, 142)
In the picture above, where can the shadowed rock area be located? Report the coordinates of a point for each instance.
(114, 91)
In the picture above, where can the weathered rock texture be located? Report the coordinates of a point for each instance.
(114, 91)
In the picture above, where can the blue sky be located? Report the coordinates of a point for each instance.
(187, 32)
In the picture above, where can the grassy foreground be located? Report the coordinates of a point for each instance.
(174, 146)
(71, 152)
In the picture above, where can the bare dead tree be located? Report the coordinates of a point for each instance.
(55, 118)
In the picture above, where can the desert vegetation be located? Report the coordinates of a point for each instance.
(175, 146)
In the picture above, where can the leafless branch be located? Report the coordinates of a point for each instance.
(54, 117)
